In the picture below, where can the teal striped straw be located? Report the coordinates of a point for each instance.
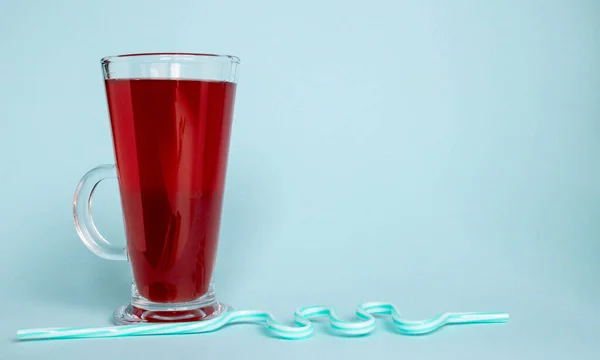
(302, 330)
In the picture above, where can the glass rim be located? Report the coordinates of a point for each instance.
(170, 56)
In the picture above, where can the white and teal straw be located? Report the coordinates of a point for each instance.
(303, 329)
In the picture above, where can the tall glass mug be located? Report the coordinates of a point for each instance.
(171, 117)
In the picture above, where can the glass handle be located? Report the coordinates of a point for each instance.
(82, 214)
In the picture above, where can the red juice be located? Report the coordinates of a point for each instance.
(171, 139)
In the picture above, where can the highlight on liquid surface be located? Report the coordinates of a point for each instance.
(171, 139)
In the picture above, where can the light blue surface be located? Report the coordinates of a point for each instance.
(439, 155)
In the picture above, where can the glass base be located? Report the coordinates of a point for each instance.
(142, 310)
(129, 314)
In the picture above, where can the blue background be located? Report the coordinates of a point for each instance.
(440, 155)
